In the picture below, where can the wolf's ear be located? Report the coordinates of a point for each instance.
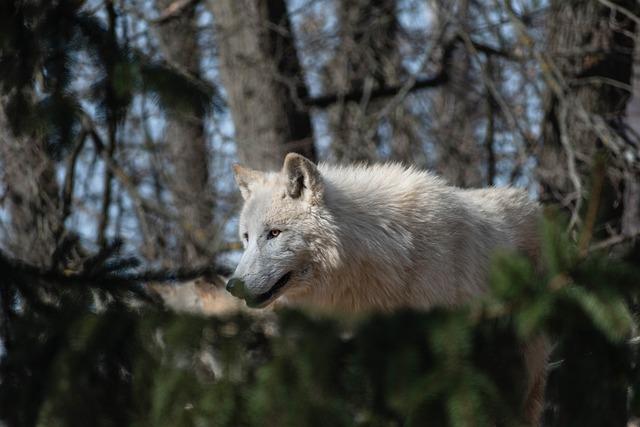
(303, 178)
(245, 178)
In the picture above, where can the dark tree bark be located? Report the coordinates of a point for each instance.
(31, 196)
(631, 216)
(188, 154)
(366, 58)
(459, 107)
(263, 78)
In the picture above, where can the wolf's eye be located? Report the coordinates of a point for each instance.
(273, 233)
(245, 236)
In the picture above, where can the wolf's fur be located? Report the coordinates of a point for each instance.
(382, 237)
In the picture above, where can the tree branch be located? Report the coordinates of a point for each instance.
(441, 78)
(382, 92)
(69, 179)
(174, 10)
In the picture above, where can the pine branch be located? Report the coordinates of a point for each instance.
(104, 271)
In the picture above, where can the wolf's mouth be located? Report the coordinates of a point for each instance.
(262, 299)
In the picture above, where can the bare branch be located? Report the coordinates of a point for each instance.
(571, 165)
(382, 92)
(626, 12)
(69, 179)
(613, 241)
(174, 10)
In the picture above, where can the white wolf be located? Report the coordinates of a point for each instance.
(382, 237)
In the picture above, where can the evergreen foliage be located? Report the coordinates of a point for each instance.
(43, 45)
(71, 361)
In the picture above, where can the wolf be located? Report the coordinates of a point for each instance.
(364, 238)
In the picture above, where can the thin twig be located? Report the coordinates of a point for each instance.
(69, 179)
(571, 164)
(612, 241)
(586, 235)
(174, 10)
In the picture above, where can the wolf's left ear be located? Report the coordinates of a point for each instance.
(303, 178)
(245, 178)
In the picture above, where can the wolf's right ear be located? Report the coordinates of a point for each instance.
(303, 178)
(245, 178)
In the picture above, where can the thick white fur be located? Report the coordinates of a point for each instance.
(396, 237)
(383, 237)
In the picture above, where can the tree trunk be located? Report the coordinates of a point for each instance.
(631, 216)
(261, 73)
(188, 153)
(458, 148)
(31, 196)
(367, 58)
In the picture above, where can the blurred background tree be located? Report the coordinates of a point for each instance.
(119, 120)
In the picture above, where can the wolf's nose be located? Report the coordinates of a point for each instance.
(233, 285)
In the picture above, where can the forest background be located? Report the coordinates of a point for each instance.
(119, 123)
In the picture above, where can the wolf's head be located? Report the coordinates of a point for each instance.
(279, 227)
